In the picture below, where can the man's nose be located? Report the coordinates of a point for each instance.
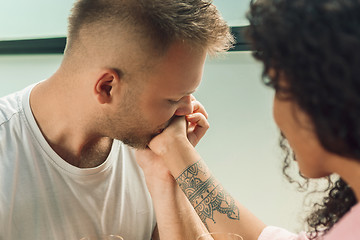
(185, 107)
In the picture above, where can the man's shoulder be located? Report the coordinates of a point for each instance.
(10, 106)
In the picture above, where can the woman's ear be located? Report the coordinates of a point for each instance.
(105, 84)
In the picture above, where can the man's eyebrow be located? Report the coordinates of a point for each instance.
(187, 93)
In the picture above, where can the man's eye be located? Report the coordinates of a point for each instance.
(173, 101)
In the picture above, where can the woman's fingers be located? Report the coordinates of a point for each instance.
(199, 108)
(198, 125)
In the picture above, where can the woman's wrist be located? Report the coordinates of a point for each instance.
(178, 155)
(173, 145)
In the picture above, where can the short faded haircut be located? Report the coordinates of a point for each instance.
(158, 22)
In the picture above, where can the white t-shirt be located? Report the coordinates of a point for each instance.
(44, 197)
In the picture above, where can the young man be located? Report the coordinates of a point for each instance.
(129, 67)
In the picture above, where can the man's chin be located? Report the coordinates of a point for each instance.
(136, 144)
(140, 142)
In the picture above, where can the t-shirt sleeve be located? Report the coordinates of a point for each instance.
(276, 233)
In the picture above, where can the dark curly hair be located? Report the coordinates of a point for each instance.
(316, 45)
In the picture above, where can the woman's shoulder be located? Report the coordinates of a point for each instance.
(348, 226)
(276, 233)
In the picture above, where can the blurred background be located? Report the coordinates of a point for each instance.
(241, 146)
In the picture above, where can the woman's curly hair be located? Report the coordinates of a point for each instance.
(315, 44)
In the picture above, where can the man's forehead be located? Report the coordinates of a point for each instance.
(178, 73)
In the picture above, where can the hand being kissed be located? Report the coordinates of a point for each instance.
(182, 130)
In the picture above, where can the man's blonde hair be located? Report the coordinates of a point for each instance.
(158, 22)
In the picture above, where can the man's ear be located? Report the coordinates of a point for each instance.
(104, 86)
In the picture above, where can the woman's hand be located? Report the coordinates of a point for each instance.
(197, 122)
(181, 131)
(190, 128)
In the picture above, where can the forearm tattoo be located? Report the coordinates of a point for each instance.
(206, 194)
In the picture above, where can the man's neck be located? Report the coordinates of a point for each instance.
(62, 121)
(92, 155)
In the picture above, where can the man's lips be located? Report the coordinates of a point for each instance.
(160, 131)
(163, 127)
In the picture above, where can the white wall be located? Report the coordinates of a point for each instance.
(33, 19)
(48, 18)
(233, 11)
(18, 71)
(241, 145)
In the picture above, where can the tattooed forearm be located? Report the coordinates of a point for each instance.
(206, 194)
